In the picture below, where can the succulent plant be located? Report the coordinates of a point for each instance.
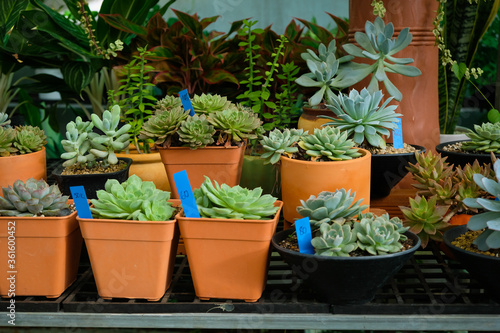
(4, 120)
(329, 143)
(335, 240)
(235, 124)
(133, 199)
(196, 132)
(379, 235)
(278, 143)
(489, 220)
(484, 138)
(207, 103)
(361, 117)
(235, 202)
(168, 102)
(430, 168)
(323, 69)
(77, 144)
(33, 198)
(161, 126)
(29, 139)
(7, 136)
(330, 206)
(425, 218)
(377, 44)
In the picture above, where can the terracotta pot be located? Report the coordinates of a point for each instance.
(420, 115)
(301, 179)
(131, 259)
(218, 163)
(148, 167)
(228, 258)
(309, 120)
(23, 167)
(47, 253)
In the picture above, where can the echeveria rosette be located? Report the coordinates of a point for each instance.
(490, 220)
(163, 125)
(29, 139)
(280, 142)
(360, 115)
(235, 124)
(133, 199)
(328, 143)
(196, 132)
(226, 202)
(335, 240)
(7, 136)
(207, 103)
(378, 45)
(484, 138)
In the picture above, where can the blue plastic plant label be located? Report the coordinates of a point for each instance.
(397, 135)
(304, 235)
(186, 101)
(81, 202)
(186, 194)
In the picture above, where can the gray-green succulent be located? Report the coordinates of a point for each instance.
(280, 142)
(196, 132)
(360, 115)
(133, 199)
(207, 103)
(490, 219)
(335, 239)
(235, 124)
(225, 202)
(163, 124)
(29, 139)
(484, 138)
(77, 143)
(329, 143)
(330, 206)
(33, 198)
(168, 102)
(4, 119)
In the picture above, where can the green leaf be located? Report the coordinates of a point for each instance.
(119, 22)
(10, 11)
(459, 70)
(494, 116)
(77, 75)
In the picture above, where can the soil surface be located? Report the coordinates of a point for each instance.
(389, 149)
(465, 242)
(98, 168)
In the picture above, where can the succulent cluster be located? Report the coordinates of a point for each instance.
(278, 143)
(33, 198)
(21, 139)
(216, 120)
(484, 138)
(133, 199)
(223, 201)
(83, 146)
(330, 206)
(442, 190)
(328, 143)
(360, 115)
(490, 219)
(335, 239)
(168, 102)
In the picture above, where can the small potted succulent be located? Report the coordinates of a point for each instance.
(40, 241)
(368, 124)
(483, 140)
(325, 160)
(91, 157)
(354, 253)
(212, 142)
(22, 152)
(441, 194)
(228, 247)
(133, 231)
(477, 245)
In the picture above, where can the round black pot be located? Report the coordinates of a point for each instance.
(485, 269)
(458, 158)
(92, 182)
(344, 280)
(387, 170)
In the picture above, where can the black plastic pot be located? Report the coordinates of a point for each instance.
(344, 280)
(485, 269)
(387, 170)
(92, 182)
(459, 158)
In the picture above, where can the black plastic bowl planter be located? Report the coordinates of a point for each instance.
(485, 269)
(91, 182)
(387, 170)
(459, 158)
(344, 280)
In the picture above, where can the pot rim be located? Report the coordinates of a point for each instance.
(366, 155)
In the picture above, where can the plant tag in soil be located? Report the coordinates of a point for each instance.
(81, 202)
(397, 135)
(186, 194)
(304, 236)
(186, 101)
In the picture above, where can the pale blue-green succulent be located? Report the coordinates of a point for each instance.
(489, 220)
(335, 239)
(328, 143)
(280, 142)
(133, 199)
(77, 144)
(235, 202)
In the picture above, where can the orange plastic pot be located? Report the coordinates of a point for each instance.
(301, 179)
(23, 167)
(46, 254)
(228, 258)
(131, 259)
(218, 163)
(148, 167)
